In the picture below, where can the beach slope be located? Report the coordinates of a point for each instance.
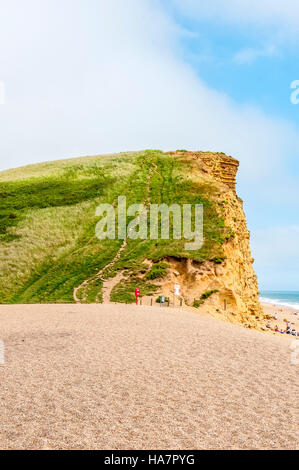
(126, 377)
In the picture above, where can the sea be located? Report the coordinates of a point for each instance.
(283, 298)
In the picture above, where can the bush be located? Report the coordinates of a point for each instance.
(158, 300)
(218, 260)
(158, 271)
(204, 297)
(208, 294)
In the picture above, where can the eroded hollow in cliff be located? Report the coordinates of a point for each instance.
(227, 300)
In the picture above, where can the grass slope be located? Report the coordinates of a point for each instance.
(47, 227)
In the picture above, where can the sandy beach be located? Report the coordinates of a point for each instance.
(283, 314)
(126, 377)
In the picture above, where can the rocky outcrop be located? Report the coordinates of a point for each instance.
(218, 166)
(234, 281)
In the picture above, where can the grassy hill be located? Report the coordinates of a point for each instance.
(47, 224)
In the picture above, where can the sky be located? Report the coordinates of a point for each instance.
(85, 77)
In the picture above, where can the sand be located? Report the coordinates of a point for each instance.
(283, 313)
(127, 377)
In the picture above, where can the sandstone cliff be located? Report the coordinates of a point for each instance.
(234, 280)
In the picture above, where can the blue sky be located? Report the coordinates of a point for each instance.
(84, 77)
(241, 64)
(253, 62)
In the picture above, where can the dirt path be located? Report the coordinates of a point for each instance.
(111, 281)
(99, 274)
(108, 285)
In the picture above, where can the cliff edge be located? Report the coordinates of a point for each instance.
(229, 288)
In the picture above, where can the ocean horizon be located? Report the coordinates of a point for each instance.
(283, 298)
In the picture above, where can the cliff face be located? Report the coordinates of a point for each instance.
(219, 167)
(234, 279)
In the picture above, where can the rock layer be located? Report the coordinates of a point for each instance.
(234, 279)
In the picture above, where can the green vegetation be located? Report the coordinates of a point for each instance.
(124, 292)
(40, 193)
(208, 294)
(159, 300)
(47, 225)
(204, 297)
(158, 271)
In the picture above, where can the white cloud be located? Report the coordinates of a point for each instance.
(284, 14)
(106, 79)
(266, 21)
(249, 55)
